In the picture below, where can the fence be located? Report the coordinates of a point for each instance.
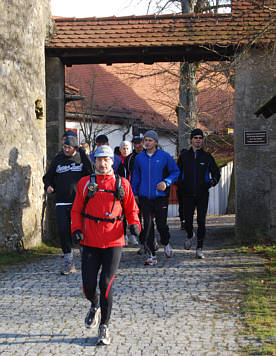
(218, 196)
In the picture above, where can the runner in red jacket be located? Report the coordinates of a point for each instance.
(97, 224)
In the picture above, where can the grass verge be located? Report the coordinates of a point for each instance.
(260, 302)
(20, 256)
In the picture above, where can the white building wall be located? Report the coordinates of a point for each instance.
(115, 136)
(218, 196)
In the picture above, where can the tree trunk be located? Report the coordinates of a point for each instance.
(186, 111)
(187, 118)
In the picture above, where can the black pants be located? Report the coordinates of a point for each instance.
(180, 205)
(63, 215)
(201, 205)
(92, 259)
(159, 208)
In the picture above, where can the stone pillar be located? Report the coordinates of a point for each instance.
(55, 127)
(25, 25)
(255, 164)
(55, 121)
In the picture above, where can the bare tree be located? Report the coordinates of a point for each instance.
(92, 122)
(188, 77)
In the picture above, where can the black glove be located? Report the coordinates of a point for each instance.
(213, 182)
(134, 230)
(77, 237)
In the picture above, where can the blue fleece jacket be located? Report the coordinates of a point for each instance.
(151, 170)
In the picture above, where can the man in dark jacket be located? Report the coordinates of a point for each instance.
(198, 173)
(66, 169)
(138, 147)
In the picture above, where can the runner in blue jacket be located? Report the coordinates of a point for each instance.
(154, 171)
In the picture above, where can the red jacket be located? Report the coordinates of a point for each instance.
(103, 234)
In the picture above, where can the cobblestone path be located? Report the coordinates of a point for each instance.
(181, 306)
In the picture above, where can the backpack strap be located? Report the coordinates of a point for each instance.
(91, 190)
(118, 193)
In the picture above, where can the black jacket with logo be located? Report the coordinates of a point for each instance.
(198, 172)
(64, 174)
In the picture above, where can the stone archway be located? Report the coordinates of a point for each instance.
(176, 38)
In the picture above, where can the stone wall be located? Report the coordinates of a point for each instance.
(25, 25)
(55, 125)
(255, 165)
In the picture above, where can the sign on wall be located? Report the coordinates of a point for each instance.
(255, 138)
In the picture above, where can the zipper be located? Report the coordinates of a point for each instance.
(149, 177)
(195, 156)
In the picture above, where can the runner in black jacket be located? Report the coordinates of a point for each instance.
(198, 173)
(138, 147)
(62, 177)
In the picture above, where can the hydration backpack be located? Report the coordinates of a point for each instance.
(118, 193)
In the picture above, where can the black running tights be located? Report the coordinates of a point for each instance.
(92, 260)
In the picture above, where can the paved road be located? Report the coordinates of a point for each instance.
(181, 306)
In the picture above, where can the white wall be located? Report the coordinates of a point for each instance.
(115, 136)
(218, 196)
(167, 145)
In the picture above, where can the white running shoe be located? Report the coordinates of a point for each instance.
(168, 251)
(188, 242)
(103, 335)
(199, 253)
(126, 240)
(69, 266)
(151, 260)
(92, 318)
(132, 240)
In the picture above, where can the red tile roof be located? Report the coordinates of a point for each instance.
(70, 89)
(249, 23)
(152, 98)
(112, 98)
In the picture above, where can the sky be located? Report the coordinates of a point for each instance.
(98, 8)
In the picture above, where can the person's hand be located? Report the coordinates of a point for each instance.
(213, 182)
(134, 230)
(77, 237)
(161, 186)
(50, 189)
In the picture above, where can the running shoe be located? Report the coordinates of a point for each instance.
(103, 335)
(156, 246)
(126, 240)
(168, 251)
(188, 242)
(151, 260)
(132, 240)
(199, 253)
(92, 318)
(141, 250)
(68, 268)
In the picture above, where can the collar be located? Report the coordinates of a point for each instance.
(110, 173)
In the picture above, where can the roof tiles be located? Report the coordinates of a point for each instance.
(131, 91)
(246, 21)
